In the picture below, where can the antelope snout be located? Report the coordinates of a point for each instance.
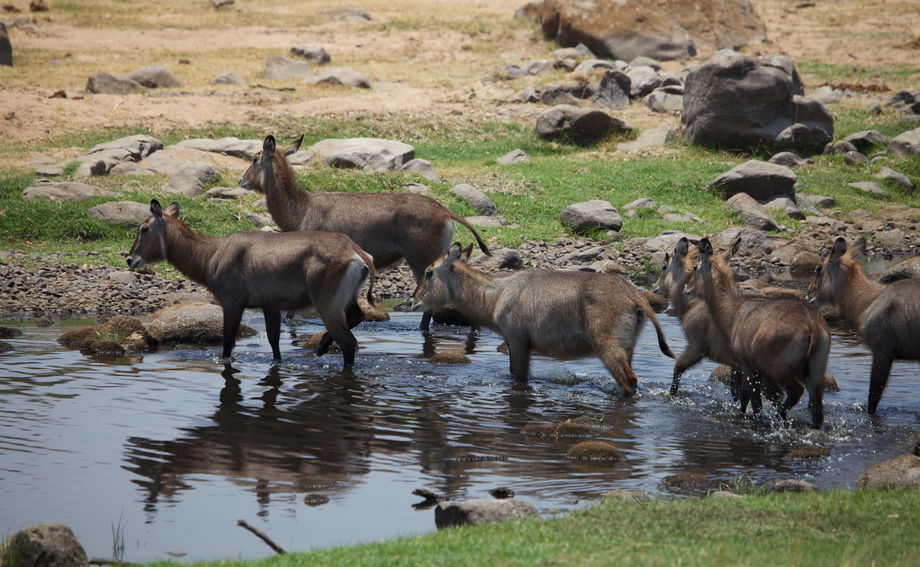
(135, 262)
(416, 305)
(243, 184)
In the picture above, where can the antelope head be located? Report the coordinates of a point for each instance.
(150, 244)
(674, 271)
(434, 288)
(252, 177)
(834, 271)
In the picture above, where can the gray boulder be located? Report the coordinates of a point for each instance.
(866, 139)
(733, 101)
(786, 205)
(663, 30)
(63, 191)
(578, 125)
(6, 48)
(138, 146)
(612, 91)
(476, 512)
(368, 154)
(342, 76)
(422, 167)
(653, 138)
(899, 178)
(668, 100)
(512, 157)
(761, 180)
(286, 68)
(105, 83)
(902, 471)
(121, 213)
(228, 79)
(203, 172)
(480, 202)
(231, 146)
(190, 323)
(751, 212)
(643, 80)
(44, 545)
(154, 77)
(868, 187)
(788, 159)
(817, 200)
(591, 215)
(312, 53)
(793, 485)
(754, 242)
(228, 192)
(590, 65)
(854, 158)
(187, 185)
(906, 144)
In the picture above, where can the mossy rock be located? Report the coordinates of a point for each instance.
(595, 451)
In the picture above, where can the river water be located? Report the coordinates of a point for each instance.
(163, 453)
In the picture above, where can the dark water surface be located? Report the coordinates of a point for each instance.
(171, 448)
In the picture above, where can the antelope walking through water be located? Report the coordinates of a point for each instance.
(553, 312)
(271, 271)
(389, 226)
(779, 344)
(704, 339)
(886, 315)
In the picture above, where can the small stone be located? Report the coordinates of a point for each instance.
(793, 485)
(512, 157)
(595, 451)
(868, 187)
(449, 357)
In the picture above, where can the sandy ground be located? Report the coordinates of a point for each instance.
(426, 58)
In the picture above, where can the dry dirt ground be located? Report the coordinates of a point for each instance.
(426, 58)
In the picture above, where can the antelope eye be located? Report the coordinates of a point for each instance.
(428, 274)
(144, 229)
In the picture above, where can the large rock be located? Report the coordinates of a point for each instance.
(759, 179)
(751, 212)
(63, 191)
(138, 146)
(6, 48)
(286, 68)
(591, 215)
(668, 100)
(245, 149)
(121, 213)
(480, 202)
(578, 125)
(663, 30)
(654, 138)
(44, 545)
(341, 76)
(154, 77)
(313, 53)
(906, 144)
(902, 471)
(105, 83)
(734, 101)
(369, 154)
(897, 177)
(475, 512)
(190, 323)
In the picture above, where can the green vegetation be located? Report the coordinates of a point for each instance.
(829, 528)
(530, 196)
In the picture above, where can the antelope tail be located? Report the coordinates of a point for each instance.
(662, 343)
(482, 245)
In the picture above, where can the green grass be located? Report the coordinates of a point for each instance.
(530, 196)
(831, 528)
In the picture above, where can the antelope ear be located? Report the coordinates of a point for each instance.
(705, 248)
(683, 245)
(454, 253)
(172, 210)
(667, 257)
(733, 249)
(858, 249)
(465, 254)
(268, 146)
(839, 249)
(155, 208)
(293, 146)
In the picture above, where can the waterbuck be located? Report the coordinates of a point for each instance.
(272, 271)
(390, 226)
(559, 313)
(704, 340)
(779, 344)
(886, 315)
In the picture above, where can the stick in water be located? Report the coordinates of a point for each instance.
(263, 537)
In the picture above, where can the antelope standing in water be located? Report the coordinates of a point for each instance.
(886, 315)
(704, 339)
(389, 226)
(271, 271)
(553, 312)
(779, 344)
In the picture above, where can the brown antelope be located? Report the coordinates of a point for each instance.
(704, 340)
(886, 315)
(390, 226)
(779, 344)
(272, 271)
(554, 312)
